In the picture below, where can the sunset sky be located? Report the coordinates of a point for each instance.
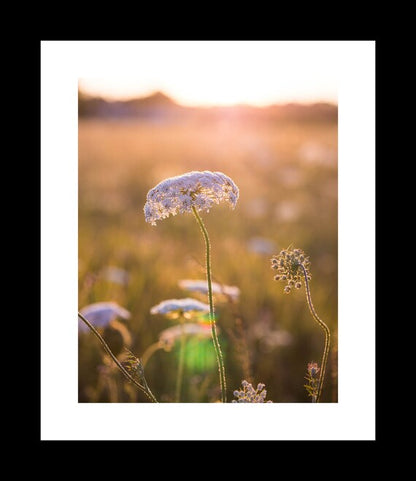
(217, 72)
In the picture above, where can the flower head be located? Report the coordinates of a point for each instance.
(291, 265)
(313, 380)
(313, 369)
(179, 194)
(168, 336)
(100, 314)
(175, 308)
(250, 395)
(201, 286)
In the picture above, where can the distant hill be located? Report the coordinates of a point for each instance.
(154, 105)
(159, 107)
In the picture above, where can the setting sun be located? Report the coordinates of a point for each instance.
(206, 73)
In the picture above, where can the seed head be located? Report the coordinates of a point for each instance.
(291, 265)
(133, 365)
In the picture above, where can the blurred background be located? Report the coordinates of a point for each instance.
(283, 157)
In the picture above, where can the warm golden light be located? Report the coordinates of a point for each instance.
(207, 73)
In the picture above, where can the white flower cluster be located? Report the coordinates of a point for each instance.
(179, 194)
(100, 314)
(201, 286)
(180, 307)
(250, 395)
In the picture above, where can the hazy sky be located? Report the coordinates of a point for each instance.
(216, 72)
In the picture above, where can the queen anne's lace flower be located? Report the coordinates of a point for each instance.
(175, 308)
(100, 314)
(179, 194)
(168, 336)
(250, 395)
(230, 292)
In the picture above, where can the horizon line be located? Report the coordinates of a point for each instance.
(155, 92)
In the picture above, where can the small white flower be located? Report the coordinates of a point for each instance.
(201, 286)
(175, 308)
(100, 314)
(250, 395)
(179, 194)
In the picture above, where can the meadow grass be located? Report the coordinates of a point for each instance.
(287, 176)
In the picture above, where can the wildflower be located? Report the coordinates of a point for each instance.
(313, 368)
(313, 381)
(175, 308)
(230, 292)
(194, 192)
(179, 194)
(292, 265)
(100, 314)
(168, 336)
(250, 395)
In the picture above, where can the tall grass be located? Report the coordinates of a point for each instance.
(287, 175)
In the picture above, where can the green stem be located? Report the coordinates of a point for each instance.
(217, 347)
(149, 352)
(179, 375)
(326, 331)
(145, 388)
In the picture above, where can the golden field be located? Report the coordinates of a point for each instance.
(287, 176)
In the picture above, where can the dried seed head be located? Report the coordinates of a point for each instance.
(292, 266)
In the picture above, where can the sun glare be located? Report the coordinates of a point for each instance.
(221, 73)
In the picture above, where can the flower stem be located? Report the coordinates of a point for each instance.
(150, 351)
(179, 375)
(326, 331)
(145, 388)
(217, 347)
